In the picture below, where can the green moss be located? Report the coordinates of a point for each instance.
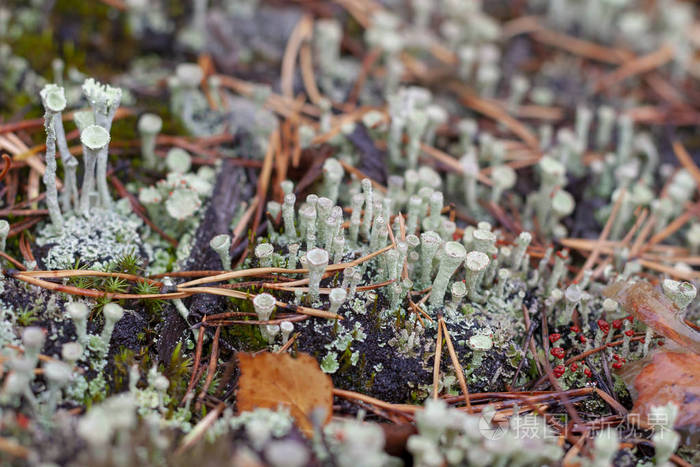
(247, 337)
(27, 315)
(27, 45)
(120, 376)
(178, 372)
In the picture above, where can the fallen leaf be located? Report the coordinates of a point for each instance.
(670, 377)
(648, 304)
(269, 380)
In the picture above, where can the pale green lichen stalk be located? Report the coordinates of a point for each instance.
(453, 255)
(4, 232)
(54, 101)
(95, 139)
(317, 262)
(104, 101)
(149, 126)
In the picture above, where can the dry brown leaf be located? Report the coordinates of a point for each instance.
(648, 304)
(269, 380)
(670, 377)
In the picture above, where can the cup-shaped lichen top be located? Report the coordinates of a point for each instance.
(477, 261)
(53, 97)
(57, 372)
(264, 253)
(71, 352)
(94, 137)
(553, 171)
(220, 242)
(504, 177)
(337, 297)
(454, 254)
(264, 305)
(681, 293)
(458, 290)
(112, 313)
(563, 203)
(483, 240)
(77, 311)
(150, 123)
(221, 245)
(178, 160)
(33, 338)
(189, 74)
(102, 97)
(318, 259)
(480, 342)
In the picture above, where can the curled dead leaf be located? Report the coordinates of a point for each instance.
(670, 377)
(648, 304)
(270, 380)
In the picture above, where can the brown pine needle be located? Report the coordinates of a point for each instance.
(307, 73)
(197, 361)
(451, 162)
(264, 179)
(301, 32)
(9, 258)
(495, 112)
(239, 230)
(211, 369)
(88, 273)
(436, 363)
(71, 290)
(455, 363)
(289, 343)
(13, 448)
(200, 428)
(590, 261)
(237, 294)
(360, 175)
(687, 161)
(670, 270)
(259, 271)
(636, 67)
(345, 394)
(673, 227)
